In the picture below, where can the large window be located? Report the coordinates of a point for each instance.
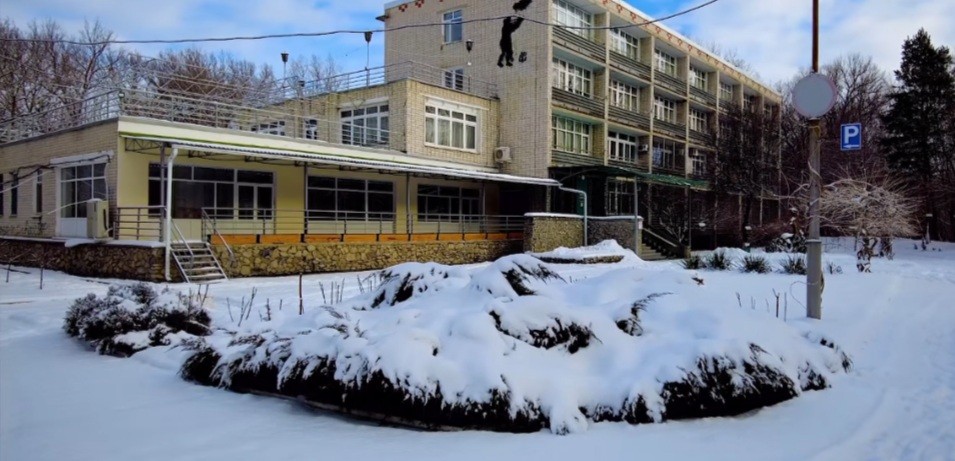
(224, 193)
(664, 109)
(570, 135)
(624, 96)
(699, 162)
(750, 103)
(665, 63)
(699, 78)
(15, 195)
(38, 193)
(699, 120)
(726, 91)
(444, 203)
(570, 77)
(449, 125)
(454, 78)
(365, 126)
(576, 19)
(453, 27)
(625, 44)
(343, 199)
(622, 147)
(277, 128)
(666, 154)
(79, 184)
(619, 197)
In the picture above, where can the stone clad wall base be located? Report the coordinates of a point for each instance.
(547, 232)
(93, 260)
(290, 259)
(621, 230)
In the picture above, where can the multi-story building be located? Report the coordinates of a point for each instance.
(437, 155)
(600, 98)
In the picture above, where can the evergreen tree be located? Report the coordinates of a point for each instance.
(917, 140)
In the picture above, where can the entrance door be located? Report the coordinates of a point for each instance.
(77, 185)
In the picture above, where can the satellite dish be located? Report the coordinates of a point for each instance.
(814, 95)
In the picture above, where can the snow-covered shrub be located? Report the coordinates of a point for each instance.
(513, 347)
(794, 264)
(756, 263)
(789, 242)
(693, 262)
(718, 260)
(131, 318)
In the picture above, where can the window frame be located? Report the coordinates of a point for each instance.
(3, 194)
(699, 79)
(666, 63)
(275, 128)
(698, 162)
(624, 95)
(72, 209)
(440, 114)
(665, 153)
(38, 193)
(572, 78)
(454, 78)
(380, 112)
(698, 120)
(452, 21)
(664, 109)
(569, 15)
(625, 44)
(235, 211)
(580, 135)
(622, 147)
(474, 201)
(726, 91)
(620, 197)
(337, 189)
(14, 194)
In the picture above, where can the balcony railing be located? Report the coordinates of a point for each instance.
(630, 117)
(562, 158)
(700, 138)
(630, 65)
(673, 129)
(579, 44)
(578, 103)
(277, 113)
(702, 96)
(674, 84)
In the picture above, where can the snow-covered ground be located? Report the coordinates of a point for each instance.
(59, 400)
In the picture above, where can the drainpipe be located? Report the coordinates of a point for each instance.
(167, 230)
(636, 217)
(584, 194)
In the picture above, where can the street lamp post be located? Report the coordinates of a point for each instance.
(927, 238)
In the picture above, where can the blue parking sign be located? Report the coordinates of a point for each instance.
(850, 137)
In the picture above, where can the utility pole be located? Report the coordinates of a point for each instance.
(814, 243)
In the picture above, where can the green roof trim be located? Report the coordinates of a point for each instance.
(669, 180)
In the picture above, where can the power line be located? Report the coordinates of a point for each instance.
(348, 31)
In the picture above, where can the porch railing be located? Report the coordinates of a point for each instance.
(138, 223)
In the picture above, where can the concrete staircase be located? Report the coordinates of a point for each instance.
(197, 262)
(649, 254)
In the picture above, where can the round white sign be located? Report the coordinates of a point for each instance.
(814, 95)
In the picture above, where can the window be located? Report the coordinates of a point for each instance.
(3, 187)
(622, 147)
(365, 126)
(726, 91)
(310, 128)
(454, 79)
(223, 192)
(664, 109)
(570, 135)
(277, 128)
(38, 193)
(665, 154)
(699, 162)
(619, 197)
(699, 121)
(624, 96)
(699, 79)
(572, 78)
(749, 103)
(625, 44)
(79, 184)
(453, 28)
(14, 194)
(443, 203)
(573, 17)
(665, 63)
(343, 199)
(449, 125)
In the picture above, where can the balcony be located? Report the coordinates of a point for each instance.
(561, 158)
(673, 129)
(702, 96)
(629, 118)
(700, 138)
(630, 66)
(578, 44)
(674, 84)
(577, 103)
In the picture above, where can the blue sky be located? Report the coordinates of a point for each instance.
(772, 35)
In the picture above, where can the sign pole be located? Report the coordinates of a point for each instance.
(814, 243)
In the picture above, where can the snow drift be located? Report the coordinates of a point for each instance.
(515, 347)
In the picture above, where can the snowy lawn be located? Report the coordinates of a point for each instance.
(58, 400)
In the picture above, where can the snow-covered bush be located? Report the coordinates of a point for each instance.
(756, 263)
(512, 346)
(719, 260)
(693, 262)
(794, 264)
(131, 318)
(789, 242)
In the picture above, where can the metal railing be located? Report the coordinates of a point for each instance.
(579, 103)
(584, 44)
(663, 245)
(138, 223)
(279, 113)
(438, 223)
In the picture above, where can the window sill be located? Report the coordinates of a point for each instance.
(456, 149)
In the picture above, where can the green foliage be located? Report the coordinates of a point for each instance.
(718, 260)
(754, 263)
(795, 264)
(693, 262)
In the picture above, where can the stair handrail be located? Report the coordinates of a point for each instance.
(215, 232)
(677, 248)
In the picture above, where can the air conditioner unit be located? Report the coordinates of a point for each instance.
(502, 155)
(644, 148)
(96, 219)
